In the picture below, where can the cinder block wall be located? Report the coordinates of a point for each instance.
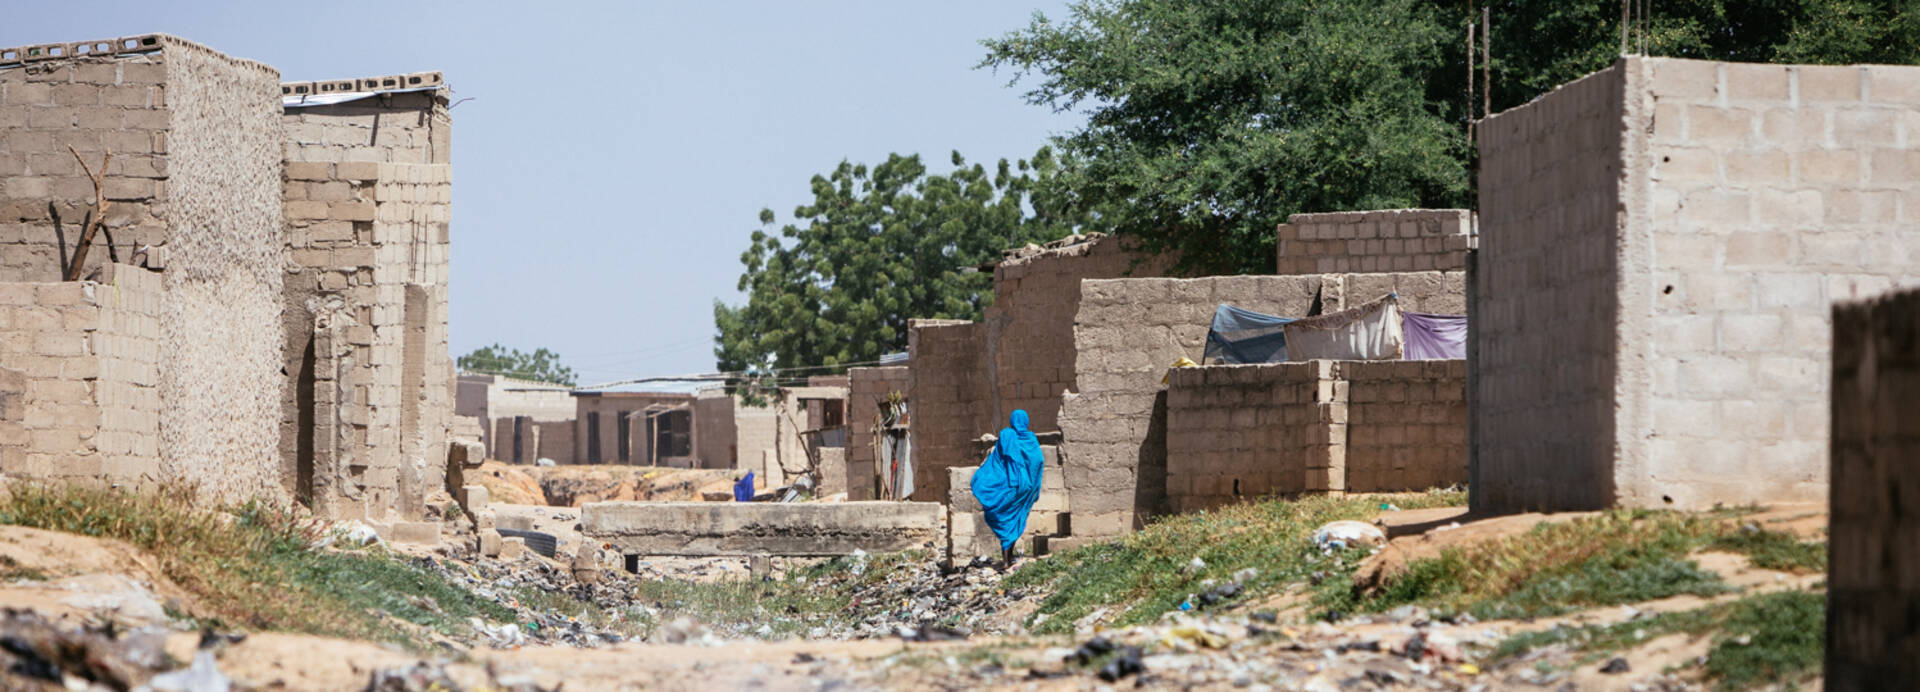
(1703, 215)
(82, 397)
(553, 440)
(1541, 332)
(1406, 424)
(868, 389)
(951, 400)
(1393, 240)
(1873, 583)
(1128, 331)
(967, 532)
(1239, 432)
(195, 190)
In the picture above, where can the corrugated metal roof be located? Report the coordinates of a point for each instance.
(688, 387)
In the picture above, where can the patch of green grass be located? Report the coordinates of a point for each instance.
(1759, 639)
(1141, 575)
(1776, 550)
(253, 565)
(1617, 557)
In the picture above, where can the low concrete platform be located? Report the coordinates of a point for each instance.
(713, 529)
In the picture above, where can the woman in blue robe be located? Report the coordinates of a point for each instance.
(1008, 482)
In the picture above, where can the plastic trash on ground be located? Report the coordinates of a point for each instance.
(1339, 535)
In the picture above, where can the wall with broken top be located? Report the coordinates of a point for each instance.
(263, 310)
(1662, 240)
(193, 194)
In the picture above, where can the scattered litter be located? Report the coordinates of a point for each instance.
(1343, 534)
(1616, 666)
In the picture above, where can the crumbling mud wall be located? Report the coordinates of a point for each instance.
(1030, 323)
(1873, 585)
(1128, 333)
(868, 389)
(81, 399)
(951, 397)
(1394, 240)
(1661, 239)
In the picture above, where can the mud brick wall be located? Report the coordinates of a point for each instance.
(1030, 324)
(553, 440)
(1395, 240)
(868, 389)
(1873, 585)
(1242, 432)
(1128, 331)
(947, 383)
(80, 395)
(1406, 424)
(1709, 213)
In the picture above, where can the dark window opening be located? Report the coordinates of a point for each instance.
(626, 436)
(593, 437)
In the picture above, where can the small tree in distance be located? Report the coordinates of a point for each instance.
(541, 365)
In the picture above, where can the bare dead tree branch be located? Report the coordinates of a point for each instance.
(99, 211)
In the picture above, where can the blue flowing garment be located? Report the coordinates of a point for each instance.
(1008, 482)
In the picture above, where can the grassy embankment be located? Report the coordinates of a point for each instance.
(253, 566)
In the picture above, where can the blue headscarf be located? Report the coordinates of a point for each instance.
(1008, 481)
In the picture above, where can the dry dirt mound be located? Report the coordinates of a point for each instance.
(508, 483)
(69, 575)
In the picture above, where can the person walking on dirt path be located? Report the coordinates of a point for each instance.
(1008, 483)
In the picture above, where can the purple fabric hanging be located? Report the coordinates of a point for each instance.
(1434, 337)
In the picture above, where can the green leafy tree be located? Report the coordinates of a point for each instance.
(878, 246)
(1210, 122)
(541, 365)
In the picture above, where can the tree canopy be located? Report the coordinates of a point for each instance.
(878, 246)
(541, 365)
(1208, 123)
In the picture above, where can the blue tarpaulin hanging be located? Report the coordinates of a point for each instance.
(1244, 336)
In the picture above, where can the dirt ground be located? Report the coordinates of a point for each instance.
(86, 577)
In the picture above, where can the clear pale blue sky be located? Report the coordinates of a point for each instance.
(615, 155)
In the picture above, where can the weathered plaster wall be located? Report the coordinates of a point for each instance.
(220, 341)
(1873, 585)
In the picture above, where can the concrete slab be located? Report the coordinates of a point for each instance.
(763, 528)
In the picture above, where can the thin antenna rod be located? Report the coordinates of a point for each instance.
(1470, 78)
(1626, 16)
(1486, 61)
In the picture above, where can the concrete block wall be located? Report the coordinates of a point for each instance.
(1393, 240)
(1873, 583)
(554, 440)
(967, 532)
(371, 240)
(1128, 331)
(1242, 432)
(868, 389)
(92, 104)
(754, 434)
(411, 127)
(494, 396)
(948, 386)
(195, 189)
(1541, 332)
(1406, 424)
(1704, 215)
(80, 398)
